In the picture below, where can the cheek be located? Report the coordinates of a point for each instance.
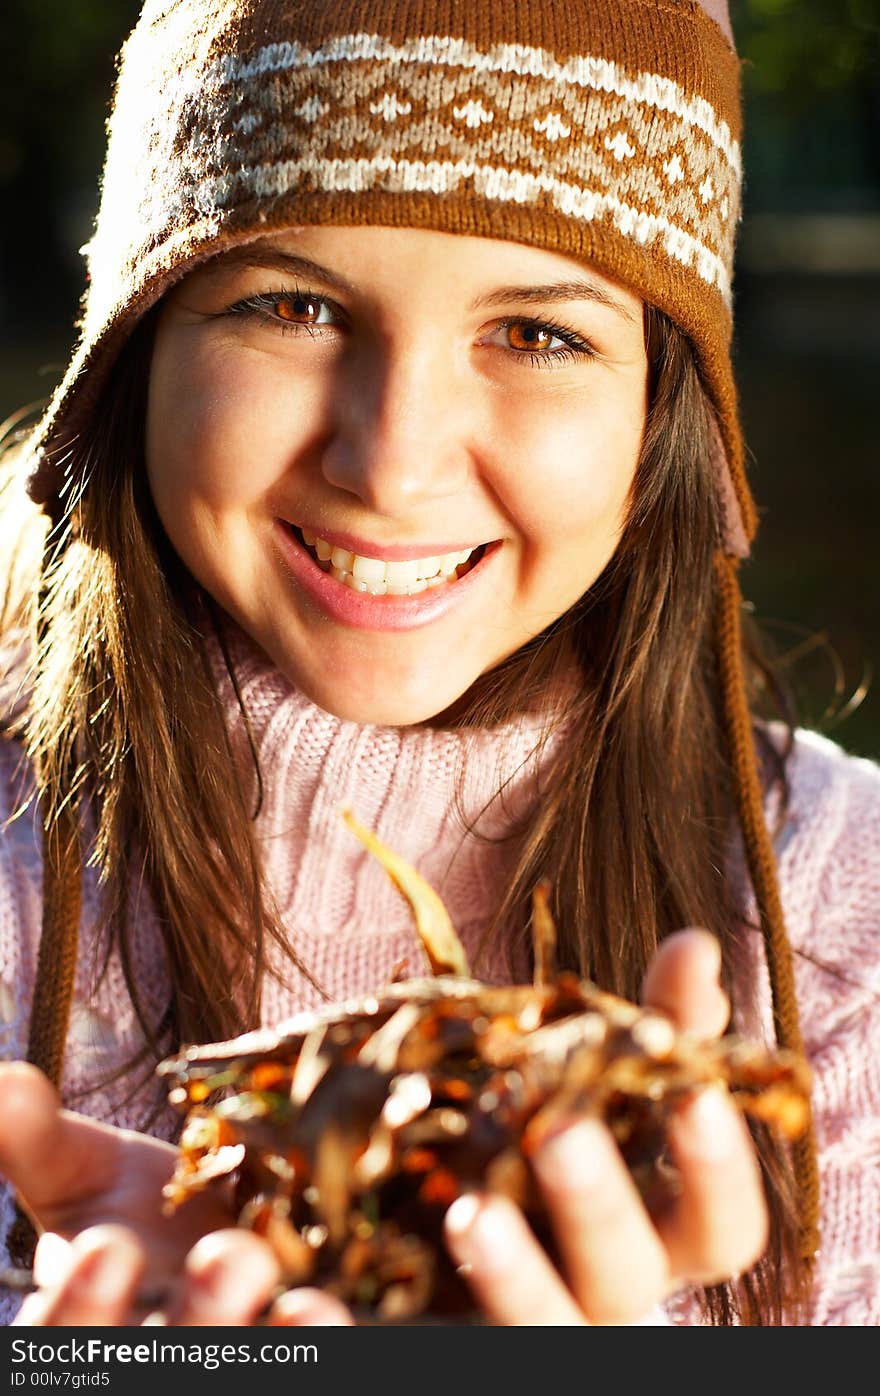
(218, 434)
(567, 483)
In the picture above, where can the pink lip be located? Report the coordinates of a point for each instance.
(364, 612)
(390, 552)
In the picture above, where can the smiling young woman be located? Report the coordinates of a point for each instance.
(399, 467)
(395, 488)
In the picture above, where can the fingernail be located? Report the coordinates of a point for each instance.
(462, 1214)
(215, 1284)
(223, 1283)
(576, 1156)
(108, 1272)
(708, 1126)
(480, 1231)
(310, 1309)
(53, 1260)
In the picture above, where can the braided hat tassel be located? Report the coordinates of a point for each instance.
(762, 869)
(56, 973)
(59, 940)
(56, 966)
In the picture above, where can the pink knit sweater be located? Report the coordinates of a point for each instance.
(351, 928)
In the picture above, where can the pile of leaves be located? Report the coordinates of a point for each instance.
(343, 1135)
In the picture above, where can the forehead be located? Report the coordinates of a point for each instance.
(485, 270)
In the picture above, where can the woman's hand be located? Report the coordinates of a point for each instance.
(230, 1277)
(619, 1262)
(72, 1172)
(96, 1193)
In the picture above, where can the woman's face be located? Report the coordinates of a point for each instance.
(394, 456)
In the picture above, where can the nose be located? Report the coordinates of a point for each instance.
(400, 438)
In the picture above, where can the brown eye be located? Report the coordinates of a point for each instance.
(525, 336)
(298, 309)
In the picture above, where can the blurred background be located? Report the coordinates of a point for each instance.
(807, 345)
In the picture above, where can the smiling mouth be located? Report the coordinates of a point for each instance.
(376, 577)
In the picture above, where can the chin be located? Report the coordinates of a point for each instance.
(376, 704)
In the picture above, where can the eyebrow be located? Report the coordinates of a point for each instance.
(274, 259)
(556, 291)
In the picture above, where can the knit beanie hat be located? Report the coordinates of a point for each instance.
(607, 130)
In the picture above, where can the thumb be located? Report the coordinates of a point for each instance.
(49, 1155)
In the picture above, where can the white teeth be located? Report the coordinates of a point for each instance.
(369, 569)
(411, 588)
(400, 574)
(380, 578)
(341, 557)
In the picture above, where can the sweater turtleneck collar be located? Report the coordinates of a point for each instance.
(443, 799)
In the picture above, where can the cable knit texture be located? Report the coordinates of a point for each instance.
(351, 927)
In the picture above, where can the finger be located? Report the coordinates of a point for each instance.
(719, 1225)
(50, 1153)
(72, 1172)
(30, 1315)
(682, 981)
(309, 1308)
(94, 1281)
(510, 1274)
(53, 1259)
(229, 1278)
(614, 1259)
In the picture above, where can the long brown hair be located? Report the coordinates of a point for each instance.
(635, 829)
